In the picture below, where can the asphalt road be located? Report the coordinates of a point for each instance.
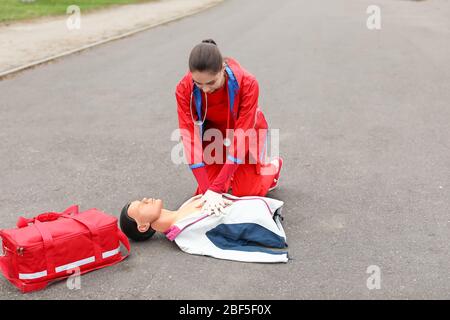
(364, 130)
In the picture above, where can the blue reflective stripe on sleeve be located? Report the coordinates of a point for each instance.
(235, 160)
(197, 165)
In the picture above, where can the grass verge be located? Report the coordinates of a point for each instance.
(13, 10)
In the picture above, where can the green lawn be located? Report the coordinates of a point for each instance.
(25, 9)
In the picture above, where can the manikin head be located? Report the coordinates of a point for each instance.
(207, 66)
(137, 216)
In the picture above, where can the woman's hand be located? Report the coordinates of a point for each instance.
(214, 203)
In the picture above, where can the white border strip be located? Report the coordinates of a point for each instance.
(75, 264)
(111, 253)
(79, 263)
(29, 276)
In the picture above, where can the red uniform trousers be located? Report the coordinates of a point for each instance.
(245, 181)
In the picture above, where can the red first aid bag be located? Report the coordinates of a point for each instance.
(53, 246)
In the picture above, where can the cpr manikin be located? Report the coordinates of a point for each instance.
(245, 230)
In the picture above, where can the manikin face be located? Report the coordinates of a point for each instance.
(208, 82)
(145, 212)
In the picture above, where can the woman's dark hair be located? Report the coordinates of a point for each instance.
(206, 56)
(130, 228)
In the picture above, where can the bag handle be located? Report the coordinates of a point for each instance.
(23, 222)
(48, 246)
(124, 239)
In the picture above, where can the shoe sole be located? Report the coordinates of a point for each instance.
(279, 175)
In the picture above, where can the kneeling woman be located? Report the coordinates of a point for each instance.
(217, 93)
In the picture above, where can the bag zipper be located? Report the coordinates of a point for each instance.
(20, 249)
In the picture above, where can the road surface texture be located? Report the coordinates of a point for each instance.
(364, 130)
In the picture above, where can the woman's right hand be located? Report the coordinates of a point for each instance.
(214, 203)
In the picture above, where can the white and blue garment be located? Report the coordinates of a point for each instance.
(248, 231)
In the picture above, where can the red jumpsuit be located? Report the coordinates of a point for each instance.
(240, 174)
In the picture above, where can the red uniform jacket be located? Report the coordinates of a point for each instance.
(246, 115)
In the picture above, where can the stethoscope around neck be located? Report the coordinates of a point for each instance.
(199, 123)
(197, 94)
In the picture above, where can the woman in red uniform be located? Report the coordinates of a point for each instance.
(218, 96)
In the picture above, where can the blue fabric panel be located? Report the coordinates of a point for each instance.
(246, 237)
